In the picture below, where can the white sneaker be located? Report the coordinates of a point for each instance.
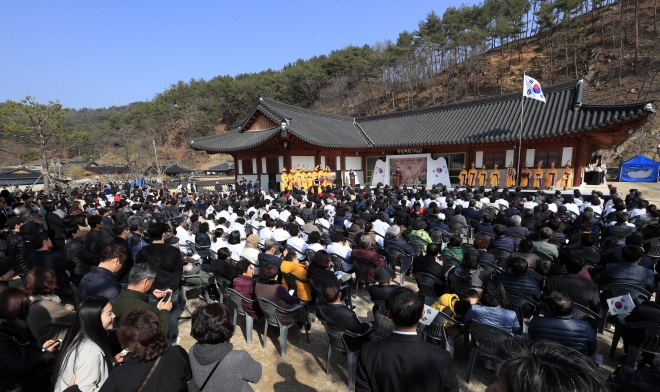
(488, 364)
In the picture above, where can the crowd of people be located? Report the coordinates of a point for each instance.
(92, 282)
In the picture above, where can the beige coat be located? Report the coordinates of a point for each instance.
(48, 318)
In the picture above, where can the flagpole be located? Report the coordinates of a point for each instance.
(522, 110)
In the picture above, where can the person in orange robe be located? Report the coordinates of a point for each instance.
(510, 176)
(538, 176)
(551, 177)
(495, 176)
(472, 176)
(463, 176)
(525, 176)
(483, 176)
(567, 176)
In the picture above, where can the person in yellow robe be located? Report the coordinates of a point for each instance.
(525, 176)
(299, 178)
(463, 176)
(303, 180)
(292, 179)
(538, 176)
(310, 178)
(483, 176)
(551, 177)
(316, 175)
(511, 176)
(567, 176)
(472, 175)
(284, 180)
(495, 176)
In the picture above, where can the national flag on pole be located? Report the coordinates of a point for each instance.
(532, 89)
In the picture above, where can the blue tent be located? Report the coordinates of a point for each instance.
(639, 169)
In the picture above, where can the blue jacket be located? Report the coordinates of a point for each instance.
(567, 330)
(401, 244)
(497, 316)
(520, 284)
(505, 241)
(265, 258)
(627, 272)
(99, 282)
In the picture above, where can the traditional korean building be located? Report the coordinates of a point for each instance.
(483, 131)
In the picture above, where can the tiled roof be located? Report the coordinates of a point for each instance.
(176, 169)
(233, 140)
(224, 166)
(493, 119)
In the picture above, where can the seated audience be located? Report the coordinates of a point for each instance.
(334, 312)
(559, 324)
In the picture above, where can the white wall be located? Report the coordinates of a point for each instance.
(263, 165)
(479, 159)
(509, 158)
(354, 163)
(280, 160)
(240, 166)
(254, 164)
(566, 155)
(323, 162)
(306, 161)
(338, 163)
(529, 159)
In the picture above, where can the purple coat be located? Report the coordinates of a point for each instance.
(244, 285)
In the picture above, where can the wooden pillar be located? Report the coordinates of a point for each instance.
(582, 156)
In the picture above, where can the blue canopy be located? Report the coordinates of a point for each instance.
(639, 169)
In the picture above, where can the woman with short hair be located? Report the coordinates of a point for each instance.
(269, 289)
(150, 363)
(215, 365)
(23, 362)
(48, 318)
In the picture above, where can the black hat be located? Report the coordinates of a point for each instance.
(383, 273)
(29, 228)
(13, 221)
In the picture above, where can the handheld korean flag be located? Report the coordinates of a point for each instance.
(532, 89)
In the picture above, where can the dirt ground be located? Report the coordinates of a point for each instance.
(305, 366)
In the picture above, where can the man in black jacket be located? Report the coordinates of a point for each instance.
(94, 239)
(402, 361)
(578, 289)
(428, 263)
(75, 251)
(169, 269)
(121, 232)
(334, 312)
(44, 257)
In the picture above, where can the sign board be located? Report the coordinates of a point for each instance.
(416, 169)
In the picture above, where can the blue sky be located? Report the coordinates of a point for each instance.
(103, 53)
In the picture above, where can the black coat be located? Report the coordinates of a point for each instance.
(59, 264)
(343, 318)
(402, 363)
(94, 242)
(75, 251)
(171, 374)
(33, 372)
(578, 289)
(14, 247)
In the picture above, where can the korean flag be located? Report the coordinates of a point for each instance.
(532, 89)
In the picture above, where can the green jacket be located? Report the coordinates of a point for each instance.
(130, 299)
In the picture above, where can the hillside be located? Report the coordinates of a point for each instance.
(469, 52)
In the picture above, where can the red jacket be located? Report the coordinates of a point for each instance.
(244, 285)
(368, 257)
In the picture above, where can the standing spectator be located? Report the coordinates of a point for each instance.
(6, 273)
(15, 244)
(55, 227)
(75, 251)
(86, 349)
(46, 258)
(94, 241)
(395, 363)
(169, 269)
(100, 281)
(23, 362)
(215, 365)
(48, 319)
(141, 334)
(135, 296)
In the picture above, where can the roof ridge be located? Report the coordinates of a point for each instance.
(306, 111)
(570, 84)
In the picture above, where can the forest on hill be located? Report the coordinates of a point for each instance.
(467, 52)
